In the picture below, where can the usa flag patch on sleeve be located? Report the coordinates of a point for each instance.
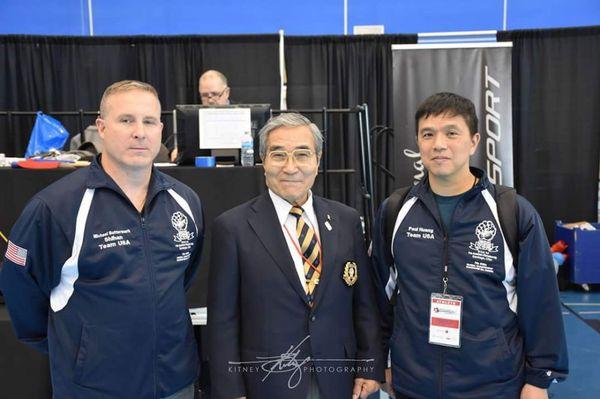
(16, 254)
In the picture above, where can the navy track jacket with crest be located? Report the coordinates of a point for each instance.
(101, 286)
(512, 328)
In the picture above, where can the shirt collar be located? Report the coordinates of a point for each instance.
(282, 207)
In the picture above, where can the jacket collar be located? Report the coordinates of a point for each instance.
(423, 192)
(266, 225)
(329, 229)
(423, 189)
(98, 178)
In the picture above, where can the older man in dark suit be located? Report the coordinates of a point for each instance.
(292, 312)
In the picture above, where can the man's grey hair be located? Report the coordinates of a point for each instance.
(289, 120)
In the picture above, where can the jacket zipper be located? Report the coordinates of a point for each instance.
(444, 289)
(443, 350)
(152, 278)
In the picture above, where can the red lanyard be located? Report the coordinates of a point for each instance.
(300, 251)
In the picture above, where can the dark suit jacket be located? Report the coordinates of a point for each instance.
(258, 310)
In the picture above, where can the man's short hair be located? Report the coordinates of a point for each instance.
(449, 104)
(124, 85)
(290, 119)
(216, 73)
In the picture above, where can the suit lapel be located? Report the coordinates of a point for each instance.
(329, 229)
(265, 224)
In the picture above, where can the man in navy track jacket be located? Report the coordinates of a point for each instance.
(462, 318)
(98, 263)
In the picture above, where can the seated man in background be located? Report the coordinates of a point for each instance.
(97, 265)
(213, 90)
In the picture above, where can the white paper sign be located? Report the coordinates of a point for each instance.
(222, 128)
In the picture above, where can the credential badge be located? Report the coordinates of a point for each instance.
(350, 273)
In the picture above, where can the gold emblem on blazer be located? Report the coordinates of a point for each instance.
(350, 273)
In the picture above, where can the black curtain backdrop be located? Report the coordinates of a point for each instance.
(70, 73)
(342, 72)
(556, 94)
(556, 121)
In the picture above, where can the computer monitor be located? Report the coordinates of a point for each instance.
(188, 132)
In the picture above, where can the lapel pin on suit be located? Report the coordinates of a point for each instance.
(350, 275)
(328, 223)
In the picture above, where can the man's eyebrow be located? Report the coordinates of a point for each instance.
(133, 116)
(452, 126)
(299, 147)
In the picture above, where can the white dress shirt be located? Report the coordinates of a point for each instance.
(283, 208)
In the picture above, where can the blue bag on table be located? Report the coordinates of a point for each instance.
(47, 134)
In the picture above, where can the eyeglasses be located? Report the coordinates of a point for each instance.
(212, 94)
(302, 157)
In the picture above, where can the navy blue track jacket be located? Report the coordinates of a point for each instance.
(101, 287)
(512, 329)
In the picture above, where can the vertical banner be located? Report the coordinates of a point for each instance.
(480, 72)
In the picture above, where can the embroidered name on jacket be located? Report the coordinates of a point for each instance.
(112, 239)
(183, 238)
(420, 233)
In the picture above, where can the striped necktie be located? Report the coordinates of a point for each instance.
(310, 251)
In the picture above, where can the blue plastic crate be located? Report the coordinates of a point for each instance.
(583, 251)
